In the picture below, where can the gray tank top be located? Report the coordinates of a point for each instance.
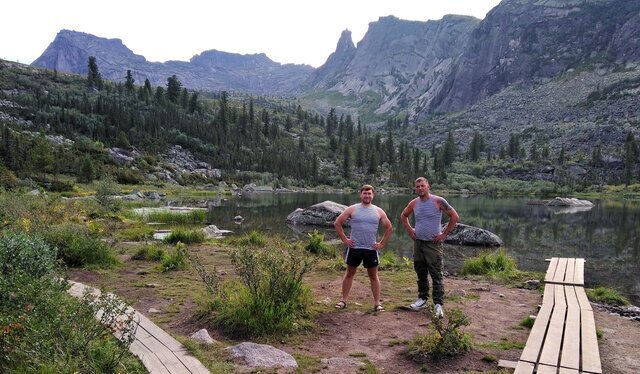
(364, 226)
(428, 218)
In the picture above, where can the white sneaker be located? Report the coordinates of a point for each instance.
(439, 312)
(419, 304)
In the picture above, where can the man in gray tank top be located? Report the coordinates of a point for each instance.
(362, 244)
(427, 210)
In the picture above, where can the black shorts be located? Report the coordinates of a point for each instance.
(355, 256)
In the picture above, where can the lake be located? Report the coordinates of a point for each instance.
(607, 235)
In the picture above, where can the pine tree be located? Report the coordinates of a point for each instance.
(128, 84)
(346, 162)
(449, 152)
(173, 89)
(87, 171)
(94, 79)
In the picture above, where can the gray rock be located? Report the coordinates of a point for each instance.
(566, 201)
(153, 195)
(532, 284)
(457, 292)
(321, 214)
(33, 193)
(470, 235)
(132, 197)
(262, 355)
(212, 231)
(202, 336)
(340, 363)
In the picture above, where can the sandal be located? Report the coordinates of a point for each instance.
(341, 305)
(378, 308)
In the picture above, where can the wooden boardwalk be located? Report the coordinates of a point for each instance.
(158, 351)
(563, 337)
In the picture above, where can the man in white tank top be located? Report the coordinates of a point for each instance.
(362, 244)
(427, 210)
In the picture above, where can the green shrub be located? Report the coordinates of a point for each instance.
(28, 254)
(152, 252)
(491, 264)
(317, 245)
(184, 236)
(389, 261)
(135, 233)
(271, 297)
(527, 322)
(47, 331)
(176, 260)
(254, 238)
(128, 176)
(443, 340)
(77, 246)
(607, 296)
(105, 191)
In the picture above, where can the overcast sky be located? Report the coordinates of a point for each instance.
(288, 31)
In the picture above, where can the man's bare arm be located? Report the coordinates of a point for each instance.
(338, 226)
(387, 232)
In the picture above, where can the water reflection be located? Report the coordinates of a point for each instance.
(607, 235)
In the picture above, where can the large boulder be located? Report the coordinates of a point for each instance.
(262, 355)
(469, 235)
(568, 201)
(321, 214)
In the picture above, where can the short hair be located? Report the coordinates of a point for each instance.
(367, 187)
(421, 179)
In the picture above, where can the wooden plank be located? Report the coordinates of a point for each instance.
(531, 350)
(524, 368)
(544, 369)
(192, 363)
(583, 300)
(570, 272)
(166, 339)
(590, 351)
(571, 342)
(569, 371)
(548, 296)
(163, 354)
(551, 271)
(148, 358)
(579, 272)
(507, 364)
(560, 271)
(551, 349)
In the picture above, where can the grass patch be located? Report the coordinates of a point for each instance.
(179, 218)
(307, 364)
(253, 238)
(606, 295)
(153, 252)
(490, 359)
(527, 322)
(176, 260)
(318, 246)
(368, 368)
(504, 344)
(184, 236)
(358, 354)
(389, 261)
(213, 356)
(491, 264)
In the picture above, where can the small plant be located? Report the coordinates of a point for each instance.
(527, 322)
(184, 236)
(389, 261)
(176, 260)
(490, 359)
(106, 191)
(497, 264)
(607, 296)
(194, 216)
(317, 245)
(152, 252)
(254, 238)
(368, 367)
(443, 340)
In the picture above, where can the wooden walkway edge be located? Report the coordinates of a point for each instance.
(158, 351)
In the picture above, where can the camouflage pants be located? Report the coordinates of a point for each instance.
(428, 260)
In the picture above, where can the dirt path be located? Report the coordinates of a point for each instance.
(356, 334)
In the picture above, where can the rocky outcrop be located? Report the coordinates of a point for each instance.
(469, 235)
(181, 160)
(321, 214)
(262, 355)
(211, 70)
(568, 201)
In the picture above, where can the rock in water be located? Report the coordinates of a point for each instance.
(469, 235)
(321, 214)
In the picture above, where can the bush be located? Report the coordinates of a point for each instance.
(317, 245)
(254, 238)
(176, 260)
(607, 296)
(152, 252)
(389, 261)
(271, 297)
(105, 192)
(442, 341)
(491, 264)
(184, 236)
(77, 246)
(28, 254)
(47, 331)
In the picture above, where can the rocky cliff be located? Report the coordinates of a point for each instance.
(210, 70)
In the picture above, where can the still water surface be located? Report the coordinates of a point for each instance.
(607, 235)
